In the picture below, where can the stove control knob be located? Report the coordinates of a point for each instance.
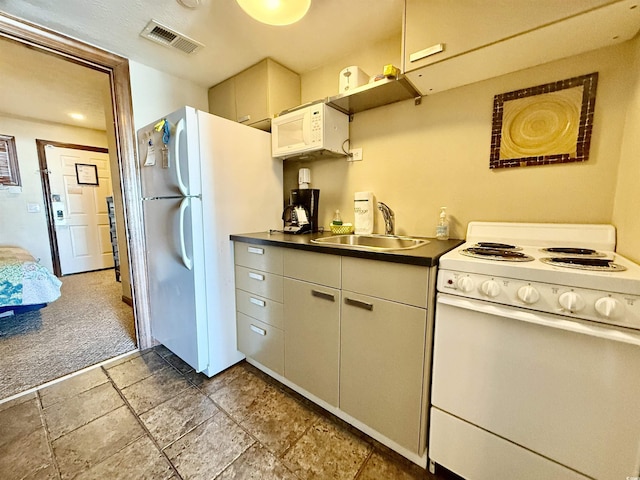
(528, 294)
(571, 301)
(465, 284)
(490, 288)
(609, 307)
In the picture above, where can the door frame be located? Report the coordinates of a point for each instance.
(54, 43)
(46, 191)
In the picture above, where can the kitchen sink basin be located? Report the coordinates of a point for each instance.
(372, 242)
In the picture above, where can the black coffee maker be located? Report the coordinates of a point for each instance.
(301, 215)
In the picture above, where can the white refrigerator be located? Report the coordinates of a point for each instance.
(202, 178)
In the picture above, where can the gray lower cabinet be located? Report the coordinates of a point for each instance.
(312, 338)
(381, 366)
(312, 322)
(385, 347)
(352, 332)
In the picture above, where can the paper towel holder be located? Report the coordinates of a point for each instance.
(304, 178)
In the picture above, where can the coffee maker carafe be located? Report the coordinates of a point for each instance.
(301, 215)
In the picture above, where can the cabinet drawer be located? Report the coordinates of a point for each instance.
(262, 342)
(261, 308)
(320, 268)
(392, 281)
(260, 257)
(261, 283)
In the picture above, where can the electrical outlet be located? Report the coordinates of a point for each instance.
(356, 154)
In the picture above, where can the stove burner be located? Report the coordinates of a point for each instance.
(499, 254)
(503, 246)
(597, 264)
(586, 252)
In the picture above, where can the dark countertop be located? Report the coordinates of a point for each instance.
(426, 255)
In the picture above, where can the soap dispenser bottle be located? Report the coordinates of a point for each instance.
(337, 219)
(442, 229)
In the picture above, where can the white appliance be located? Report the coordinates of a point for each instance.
(311, 131)
(351, 78)
(536, 361)
(203, 178)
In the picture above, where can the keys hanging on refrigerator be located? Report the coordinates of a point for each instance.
(150, 157)
(163, 127)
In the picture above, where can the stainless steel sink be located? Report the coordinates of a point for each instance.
(372, 242)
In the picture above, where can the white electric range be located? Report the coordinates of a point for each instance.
(536, 355)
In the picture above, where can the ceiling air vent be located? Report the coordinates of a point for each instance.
(158, 33)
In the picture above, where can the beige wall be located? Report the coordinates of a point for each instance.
(17, 226)
(626, 211)
(417, 158)
(155, 93)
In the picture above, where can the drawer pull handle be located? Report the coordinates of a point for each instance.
(258, 330)
(358, 303)
(244, 118)
(326, 296)
(256, 276)
(257, 251)
(255, 301)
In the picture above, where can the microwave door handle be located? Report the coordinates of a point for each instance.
(306, 128)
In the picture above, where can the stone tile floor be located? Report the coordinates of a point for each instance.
(150, 416)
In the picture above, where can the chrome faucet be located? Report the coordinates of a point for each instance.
(387, 214)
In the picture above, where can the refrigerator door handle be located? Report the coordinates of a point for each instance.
(183, 251)
(181, 186)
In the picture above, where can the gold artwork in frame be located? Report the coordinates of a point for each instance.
(544, 125)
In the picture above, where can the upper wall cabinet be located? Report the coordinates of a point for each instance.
(450, 44)
(256, 94)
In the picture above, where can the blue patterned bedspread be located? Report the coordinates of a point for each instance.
(23, 281)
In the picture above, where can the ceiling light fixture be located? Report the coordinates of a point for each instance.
(275, 12)
(77, 116)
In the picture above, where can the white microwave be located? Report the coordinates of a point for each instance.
(316, 130)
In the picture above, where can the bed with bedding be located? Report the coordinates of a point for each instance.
(24, 284)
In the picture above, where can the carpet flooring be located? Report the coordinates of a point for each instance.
(88, 324)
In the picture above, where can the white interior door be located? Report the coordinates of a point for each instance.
(80, 208)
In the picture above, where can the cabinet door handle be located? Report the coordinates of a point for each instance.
(256, 250)
(256, 276)
(326, 296)
(358, 303)
(427, 52)
(244, 118)
(258, 330)
(258, 302)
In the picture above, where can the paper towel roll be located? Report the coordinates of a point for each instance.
(364, 212)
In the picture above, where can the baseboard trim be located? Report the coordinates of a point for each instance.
(127, 300)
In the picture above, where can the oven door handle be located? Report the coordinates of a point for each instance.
(542, 319)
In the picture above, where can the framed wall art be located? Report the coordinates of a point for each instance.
(544, 125)
(86, 174)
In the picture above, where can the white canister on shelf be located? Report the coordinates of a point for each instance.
(352, 77)
(364, 212)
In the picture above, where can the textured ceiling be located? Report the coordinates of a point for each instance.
(233, 40)
(36, 85)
